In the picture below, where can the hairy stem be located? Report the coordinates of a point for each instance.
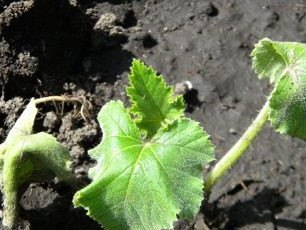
(10, 188)
(237, 150)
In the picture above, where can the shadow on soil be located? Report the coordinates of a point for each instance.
(262, 208)
(59, 214)
(48, 45)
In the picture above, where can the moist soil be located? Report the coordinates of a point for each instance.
(84, 48)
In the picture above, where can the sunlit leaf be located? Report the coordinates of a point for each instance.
(152, 100)
(285, 64)
(144, 182)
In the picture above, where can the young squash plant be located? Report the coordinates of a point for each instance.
(26, 157)
(284, 63)
(151, 157)
(149, 161)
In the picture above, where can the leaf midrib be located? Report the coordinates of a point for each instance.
(147, 93)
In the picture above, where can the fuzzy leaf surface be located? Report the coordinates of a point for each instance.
(34, 154)
(26, 158)
(285, 64)
(140, 184)
(24, 124)
(152, 100)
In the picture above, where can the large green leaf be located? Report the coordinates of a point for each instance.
(152, 101)
(143, 184)
(285, 64)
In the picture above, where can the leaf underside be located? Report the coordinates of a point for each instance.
(285, 64)
(140, 182)
(48, 155)
(26, 158)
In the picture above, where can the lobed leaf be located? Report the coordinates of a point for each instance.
(140, 182)
(152, 101)
(285, 64)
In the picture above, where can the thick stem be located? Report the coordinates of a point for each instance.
(45, 156)
(237, 150)
(10, 188)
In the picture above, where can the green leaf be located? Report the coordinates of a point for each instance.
(143, 184)
(49, 155)
(26, 158)
(268, 61)
(22, 127)
(288, 107)
(285, 64)
(43, 155)
(152, 101)
(24, 124)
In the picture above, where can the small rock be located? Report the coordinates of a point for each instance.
(26, 65)
(50, 121)
(232, 131)
(107, 32)
(182, 87)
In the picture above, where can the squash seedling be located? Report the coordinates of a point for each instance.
(151, 157)
(149, 161)
(27, 157)
(284, 63)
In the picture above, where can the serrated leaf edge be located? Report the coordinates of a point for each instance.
(134, 109)
(257, 46)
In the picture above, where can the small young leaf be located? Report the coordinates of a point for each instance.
(152, 101)
(285, 64)
(140, 184)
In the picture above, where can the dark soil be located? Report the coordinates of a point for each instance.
(84, 48)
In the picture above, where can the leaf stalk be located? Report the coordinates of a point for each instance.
(238, 149)
(10, 188)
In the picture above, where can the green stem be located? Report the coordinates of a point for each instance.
(237, 150)
(10, 188)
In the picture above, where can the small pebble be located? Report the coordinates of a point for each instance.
(232, 131)
(182, 87)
